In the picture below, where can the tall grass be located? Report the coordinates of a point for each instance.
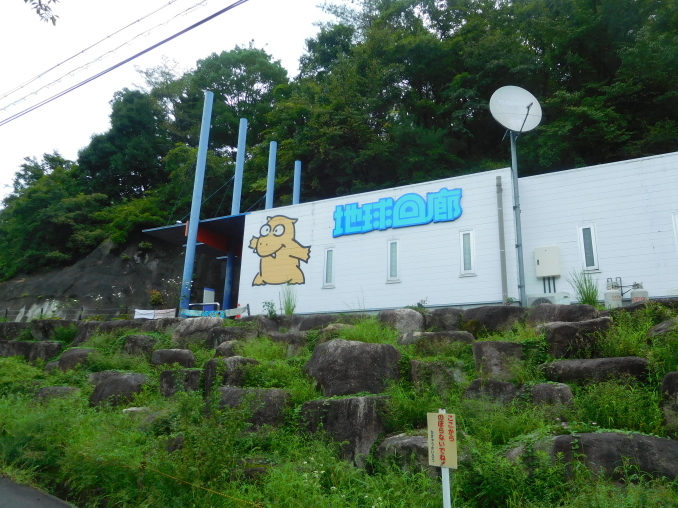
(585, 287)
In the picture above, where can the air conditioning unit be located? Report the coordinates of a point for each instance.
(557, 298)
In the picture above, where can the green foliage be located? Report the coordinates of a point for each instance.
(16, 377)
(269, 307)
(288, 298)
(370, 330)
(585, 288)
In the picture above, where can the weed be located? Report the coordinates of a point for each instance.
(269, 308)
(370, 330)
(585, 288)
(288, 298)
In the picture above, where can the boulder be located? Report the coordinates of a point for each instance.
(85, 331)
(52, 365)
(441, 375)
(216, 336)
(403, 320)
(139, 345)
(669, 391)
(9, 348)
(549, 313)
(332, 331)
(670, 325)
(607, 452)
(434, 343)
(117, 389)
(43, 329)
(226, 349)
(183, 357)
(345, 367)
(317, 321)
(97, 377)
(410, 453)
(598, 369)
(48, 393)
(267, 404)
(262, 324)
(226, 371)
(295, 341)
(31, 351)
(490, 319)
(497, 360)
(572, 340)
(551, 393)
(184, 380)
(158, 325)
(73, 357)
(195, 329)
(355, 422)
(447, 319)
(11, 330)
(500, 392)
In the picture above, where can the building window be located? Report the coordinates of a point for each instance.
(328, 272)
(468, 254)
(587, 246)
(393, 274)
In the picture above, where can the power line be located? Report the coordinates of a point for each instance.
(119, 64)
(72, 72)
(26, 83)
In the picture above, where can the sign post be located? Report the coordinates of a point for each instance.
(442, 447)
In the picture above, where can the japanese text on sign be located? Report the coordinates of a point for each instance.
(442, 440)
(408, 210)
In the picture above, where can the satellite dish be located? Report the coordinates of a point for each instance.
(515, 108)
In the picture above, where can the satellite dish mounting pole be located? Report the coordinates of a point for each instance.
(516, 214)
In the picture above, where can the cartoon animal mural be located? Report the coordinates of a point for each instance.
(280, 253)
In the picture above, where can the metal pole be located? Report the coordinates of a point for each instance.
(516, 214)
(194, 220)
(502, 241)
(270, 184)
(239, 167)
(228, 280)
(445, 472)
(296, 191)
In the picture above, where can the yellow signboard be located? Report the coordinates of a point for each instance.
(442, 440)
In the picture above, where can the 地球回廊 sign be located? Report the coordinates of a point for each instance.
(408, 210)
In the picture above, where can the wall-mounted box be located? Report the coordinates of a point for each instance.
(547, 261)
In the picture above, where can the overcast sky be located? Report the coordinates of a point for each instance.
(30, 47)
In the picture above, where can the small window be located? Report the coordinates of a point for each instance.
(587, 245)
(468, 262)
(328, 272)
(393, 272)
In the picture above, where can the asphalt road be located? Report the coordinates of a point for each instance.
(14, 495)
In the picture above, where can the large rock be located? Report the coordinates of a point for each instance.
(345, 367)
(447, 319)
(403, 320)
(665, 327)
(295, 341)
(410, 453)
(490, 319)
(228, 348)
(355, 422)
(598, 369)
(216, 336)
(88, 328)
(184, 380)
(669, 390)
(11, 330)
(44, 329)
(317, 321)
(226, 371)
(117, 389)
(97, 377)
(496, 391)
(267, 404)
(441, 375)
(139, 345)
(434, 343)
(195, 329)
(30, 351)
(608, 452)
(551, 393)
(183, 357)
(85, 331)
(262, 324)
(73, 357)
(497, 360)
(572, 340)
(549, 313)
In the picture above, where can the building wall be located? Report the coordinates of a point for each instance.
(429, 255)
(631, 205)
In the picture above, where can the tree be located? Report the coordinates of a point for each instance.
(43, 9)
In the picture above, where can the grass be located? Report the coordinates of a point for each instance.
(585, 288)
(94, 456)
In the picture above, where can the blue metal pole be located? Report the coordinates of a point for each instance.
(230, 274)
(239, 167)
(270, 184)
(195, 203)
(296, 191)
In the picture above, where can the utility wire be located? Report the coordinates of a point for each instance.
(256, 203)
(72, 72)
(119, 64)
(26, 83)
